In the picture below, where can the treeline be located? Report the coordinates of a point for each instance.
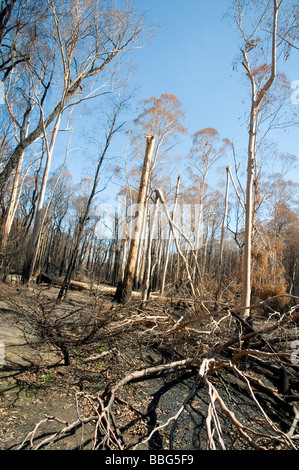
(182, 237)
(55, 58)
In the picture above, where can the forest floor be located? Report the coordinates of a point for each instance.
(145, 377)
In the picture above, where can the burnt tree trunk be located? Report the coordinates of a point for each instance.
(124, 290)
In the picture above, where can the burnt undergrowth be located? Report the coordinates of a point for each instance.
(151, 376)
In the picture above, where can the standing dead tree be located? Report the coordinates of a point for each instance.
(269, 23)
(175, 228)
(124, 290)
(148, 254)
(82, 45)
(169, 237)
(75, 62)
(113, 129)
(223, 229)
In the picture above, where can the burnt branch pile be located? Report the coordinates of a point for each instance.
(232, 383)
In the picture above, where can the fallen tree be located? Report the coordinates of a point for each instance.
(235, 389)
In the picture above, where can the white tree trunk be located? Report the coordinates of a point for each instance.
(33, 245)
(169, 236)
(12, 207)
(228, 169)
(246, 281)
(257, 97)
(148, 257)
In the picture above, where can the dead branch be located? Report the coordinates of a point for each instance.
(144, 373)
(95, 357)
(260, 304)
(284, 437)
(102, 415)
(207, 368)
(32, 434)
(172, 418)
(213, 426)
(100, 411)
(212, 413)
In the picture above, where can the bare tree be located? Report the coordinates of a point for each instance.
(263, 30)
(113, 128)
(82, 40)
(19, 111)
(161, 117)
(19, 24)
(207, 148)
(228, 170)
(85, 39)
(170, 237)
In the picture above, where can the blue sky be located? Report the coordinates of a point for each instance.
(192, 57)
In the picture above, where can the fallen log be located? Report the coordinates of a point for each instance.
(50, 279)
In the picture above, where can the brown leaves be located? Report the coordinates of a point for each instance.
(161, 116)
(209, 132)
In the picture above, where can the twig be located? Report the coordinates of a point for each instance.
(294, 424)
(95, 357)
(284, 436)
(55, 435)
(172, 418)
(32, 434)
(214, 396)
(243, 431)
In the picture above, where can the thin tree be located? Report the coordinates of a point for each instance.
(113, 129)
(207, 148)
(74, 57)
(228, 170)
(269, 26)
(170, 237)
(20, 120)
(148, 254)
(161, 117)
